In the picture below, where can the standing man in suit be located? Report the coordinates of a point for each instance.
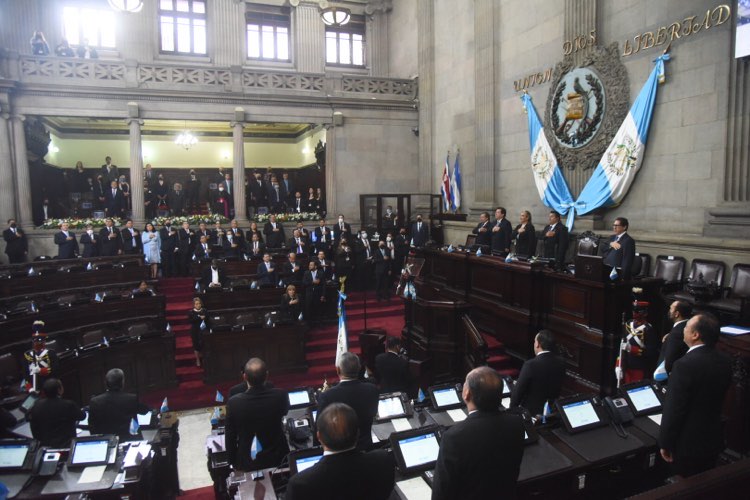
(343, 473)
(185, 248)
(292, 271)
(673, 343)
(488, 444)
(691, 435)
(256, 248)
(391, 370)
(621, 249)
(382, 260)
(274, 232)
(325, 266)
(342, 229)
(109, 171)
(176, 200)
(322, 238)
(112, 411)
(297, 243)
(256, 413)
(315, 288)
(267, 271)
(109, 240)
(275, 196)
(541, 377)
(361, 396)
(114, 201)
(229, 188)
(67, 246)
(90, 242)
(555, 240)
(288, 193)
(202, 251)
(131, 239)
(168, 237)
(419, 233)
(53, 419)
(16, 245)
(390, 219)
(258, 192)
(502, 233)
(483, 230)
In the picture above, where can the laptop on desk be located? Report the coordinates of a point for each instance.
(579, 413)
(91, 451)
(304, 459)
(416, 453)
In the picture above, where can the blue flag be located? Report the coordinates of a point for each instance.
(255, 448)
(219, 397)
(660, 374)
(134, 426)
(215, 415)
(164, 406)
(420, 395)
(456, 185)
(342, 340)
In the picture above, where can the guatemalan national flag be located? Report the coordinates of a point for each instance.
(445, 185)
(342, 342)
(550, 183)
(621, 161)
(456, 186)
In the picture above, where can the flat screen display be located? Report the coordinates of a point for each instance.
(307, 462)
(90, 452)
(390, 407)
(580, 413)
(144, 419)
(446, 397)
(297, 398)
(643, 398)
(12, 456)
(419, 450)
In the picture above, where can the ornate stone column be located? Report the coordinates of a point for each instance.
(331, 171)
(238, 169)
(7, 193)
(310, 39)
(25, 216)
(426, 65)
(377, 35)
(136, 165)
(484, 88)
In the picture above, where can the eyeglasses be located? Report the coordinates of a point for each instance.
(617, 225)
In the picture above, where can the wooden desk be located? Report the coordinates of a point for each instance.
(266, 297)
(96, 279)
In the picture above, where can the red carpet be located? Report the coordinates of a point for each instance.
(205, 493)
(320, 346)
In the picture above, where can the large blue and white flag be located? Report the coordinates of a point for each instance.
(621, 161)
(342, 342)
(456, 185)
(550, 183)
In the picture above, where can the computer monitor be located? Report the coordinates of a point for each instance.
(643, 398)
(416, 450)
(304, 459)
(90, 450)
(392, 405)
(28, 403)
(445, 397)
(300, 398)
(144, 420)
(579, 413)
(14, 454)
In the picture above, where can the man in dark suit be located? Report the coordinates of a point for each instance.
(213, 276)
(185, 248)
(361, 396)
(131, 239)
(258, 192)
(391, 370)
(480, 456)
(344, 472)
(292, 270)
(112, 412)
(275, 196)
(620, 252)
(315, 289)
(67, 246)
(288, 192)
(555, 240)
(114, 201)
(90, 242)
(16, 245)
(419, 233)
(109, 171)
(228, 185)
(483, 230)
(298, 243)
(110, 242)
(176, 200)
(341, 229)
(673, 343)
(53, 419)
(168, 236)
(541, 377)
(322, 238)
(267, 271)
(256, 413)
(691, 436)
(256, 248)
(382, 260)
(390, 219)
(502, 233)
(274, 232)
(202, 251)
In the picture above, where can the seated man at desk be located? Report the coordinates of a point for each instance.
(143, 290)
(256, 413)
(267, 271)
(361, 396)
(112, 411)
(343, 472)
(541, 377)
(481, 455)
(52, 418)
(213, 276)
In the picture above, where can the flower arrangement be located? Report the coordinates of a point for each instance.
(79, 223)
(193, 220)
(284, 217)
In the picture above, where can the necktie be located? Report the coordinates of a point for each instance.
(255, 246)
(229, 187)
(205, 248)
(114, 192)
(419, 226)
(110, 230)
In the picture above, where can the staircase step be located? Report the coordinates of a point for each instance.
(492, 342)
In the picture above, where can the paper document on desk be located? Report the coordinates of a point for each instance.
(457, 414)
(415, 489)
(92, 474)
(401, 424)
(656, 418)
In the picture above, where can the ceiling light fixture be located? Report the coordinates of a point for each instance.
(335, 16)
(186, 139)
(132, 6)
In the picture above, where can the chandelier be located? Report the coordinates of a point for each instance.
(334, 16)
(126, 5)
(186, 139)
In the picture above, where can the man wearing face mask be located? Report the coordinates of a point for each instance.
(16, 245)
(192, 189)
(176, 200)
(390, 219)
(364, 259)
(401, 246)
(419, 233)
(275, 196)
(168, 236)
(341, 229)
(220, 204)
(90, 242)
(382, 259)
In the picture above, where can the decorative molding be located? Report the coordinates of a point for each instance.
(382, 86)
(72, 69)
(183, 75)
(283, 81)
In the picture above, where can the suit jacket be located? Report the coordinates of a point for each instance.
(168, 243)
(392, 372)
(110, 176)
(274, 239)
(691, 416)
(346, 475)
(112, 411)
(266, 277)
(363, 398)
(115, 204)
(347, 232)
(622, 257)
(318, 239)
(290, 274)
(90, 245)
(256, 412)
(419, 236)
(201, 254)
(176, 202)
(501, 239)
(107, 246)
(131, 243)
(258, 192)
(15, 246)
(483, 238)
(382, 262)
(206, 277)
(525, 241)
(557, 246)
(185, 241)
(251, 249)
(286, 188)
(674, 346)
(540, 381)
(485, 445)
(53, 421)
(288, 310)
(292, 245)
(292, 204)
(66, 249)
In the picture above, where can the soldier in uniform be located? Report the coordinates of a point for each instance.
(41, 363)
(639, 347)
